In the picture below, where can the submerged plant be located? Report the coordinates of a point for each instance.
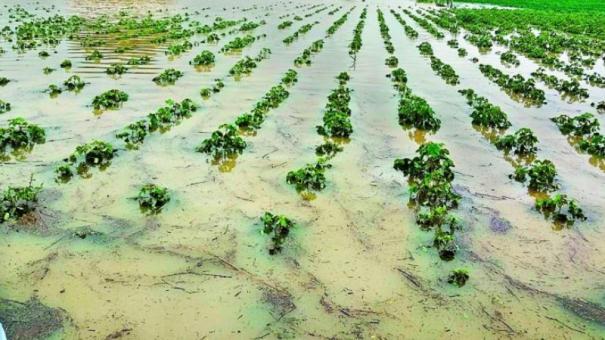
(205, 58)
(458, 277)
(278, 227)
(561, 209)
(328, 149)
(391, 61)
(415, 111)
(74, 83)
(95, 153)
(20, 135)
(114, 69)
(223, 143)
(18, 201)
(523, 142)
(111, 99)
(152, 198)
(4, 106)
(581, 125)
(541, 175)
(168, 77)
(309, 177)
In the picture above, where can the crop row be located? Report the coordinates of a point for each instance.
(584, 132)
(429, 173)
(335, 129)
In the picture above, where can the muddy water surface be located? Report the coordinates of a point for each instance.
(356, 266)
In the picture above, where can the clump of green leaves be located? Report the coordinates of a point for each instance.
(561, 209)
(4, 81)
(585, 128)
(116, 69)
(94, 154)
(111, 99)
(391, 61)
(152, 198)
(458, 277)
(94, 56)
(65, 63)
(522, 142)
(430, 175)
(484, 113)
(168, 77)
(4, 106)
(415, 112)
(336, 120)
(290, 77)
(238, 43)
(74, 83)
(541, 175)
(278, 227)
(310, 177)
(223, 143)
(136, 61)
(328, 149)
(20, 134)
(205, 58)
(425, 48)
(18, 201)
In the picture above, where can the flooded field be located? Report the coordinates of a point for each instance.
(85, 259)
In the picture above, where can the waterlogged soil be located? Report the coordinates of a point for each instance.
(90, 265)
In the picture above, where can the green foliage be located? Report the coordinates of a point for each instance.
(4, 81)
(425, 48)
(582, 125)
(290, 77)
(74, 83)
(111, 99)
(594, 145)
(4, 106)
(223, 143)
(336, 120)
(116, 69)
(415, 112)
(328, 149)
(509, 58)
(284, 24)
(278, 227)
(561, 209)
(238, 43)
(484, 113)
(458, 277)
(445, 71)
(65, 63)
(20, 135)
(144, 60)
(18, 201)
(205, 58)
(516, 86)
(152, 198)
(522, 142)
(94, 56)
(356, 44)
(541, 175)
(391, 61)
(94, 154)
(310, 177)
(168, 77)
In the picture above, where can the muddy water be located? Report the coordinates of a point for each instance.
(355, 266)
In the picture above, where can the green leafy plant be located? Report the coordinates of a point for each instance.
(415, 112)
(152, 198)
(94, 154)
(116, 69)
(278, 227)
(561, 209)
(290, 77)
(391, 61)
(522, 142)
(458, 277)
(541, 175)
(223, 143)
(74, 83)
(21, 134)
(205, 58)
(328, 149)
(65, 63)
(18, 201)
(4, 106)
(309, 177)
(94, 56)
(168, 77)
(111, 99)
